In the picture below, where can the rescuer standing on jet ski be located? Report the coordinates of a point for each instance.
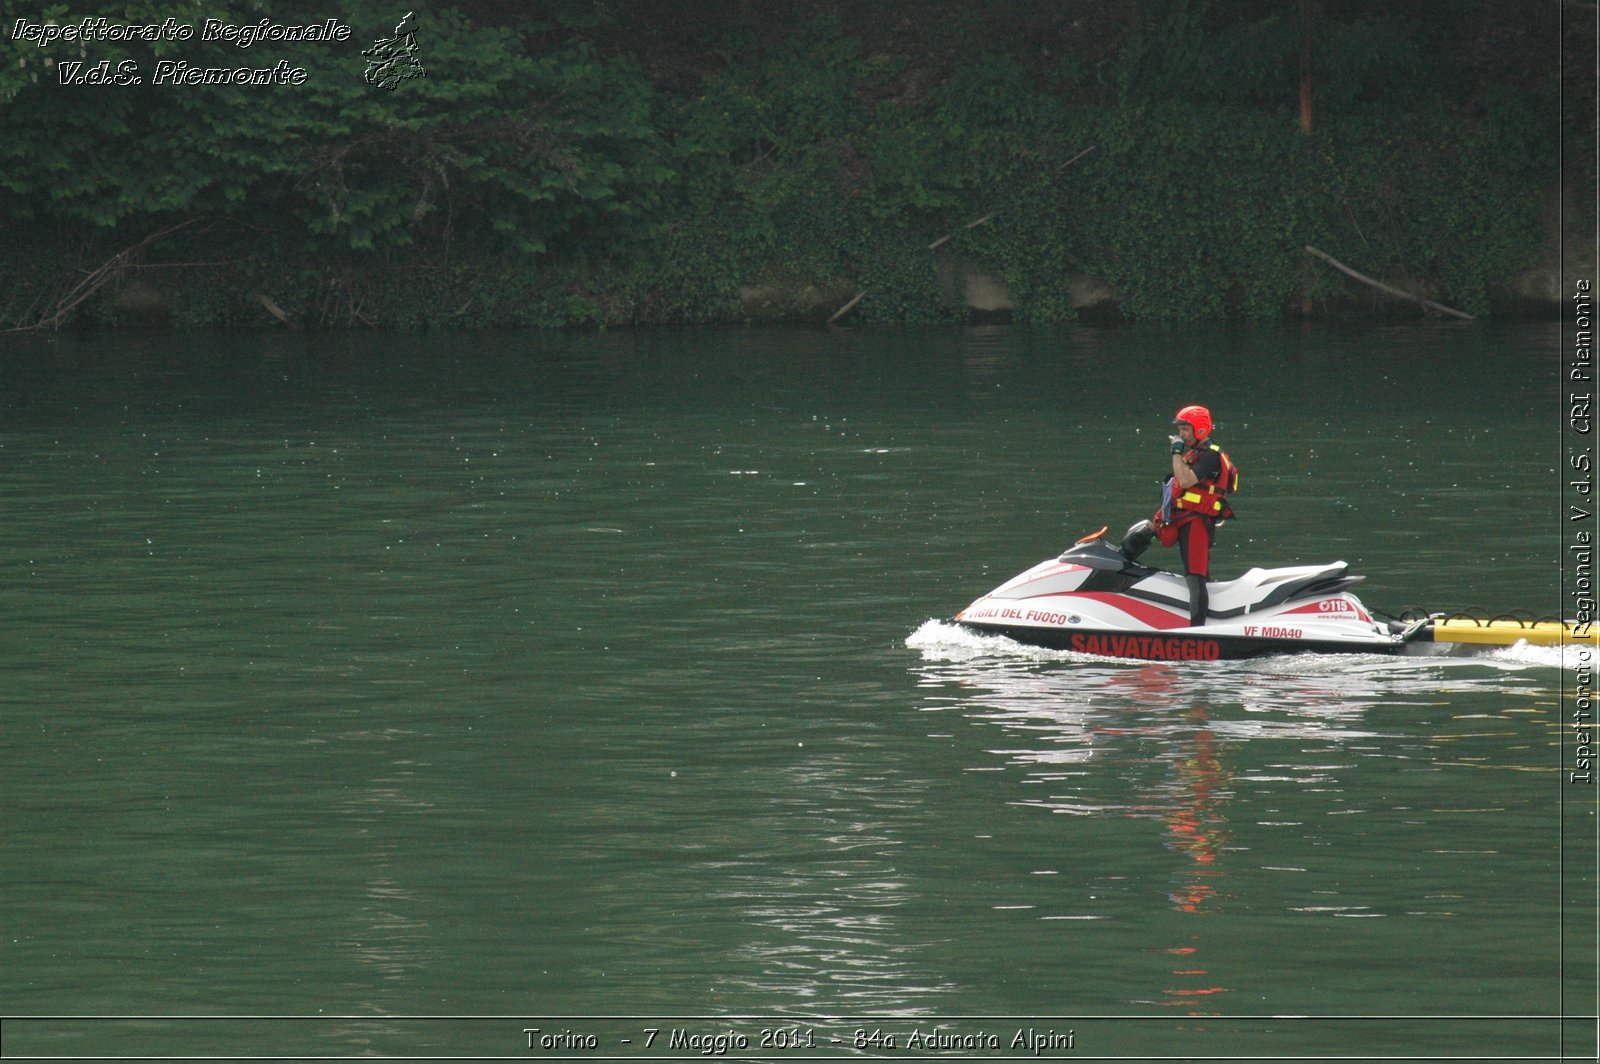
(1194, 500)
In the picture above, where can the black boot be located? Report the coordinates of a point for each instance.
(1136, 539)
(1199, 600)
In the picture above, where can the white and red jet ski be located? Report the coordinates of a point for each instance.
(1095, 600)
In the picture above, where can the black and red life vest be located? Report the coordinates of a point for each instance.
(1209, 498)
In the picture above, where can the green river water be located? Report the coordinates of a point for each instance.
(395, 696)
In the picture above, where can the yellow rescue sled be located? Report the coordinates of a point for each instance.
(1508, 631)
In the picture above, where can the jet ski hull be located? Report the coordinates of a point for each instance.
(1095, 600)
(1188, 646)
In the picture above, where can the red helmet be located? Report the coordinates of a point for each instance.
(1199, 419)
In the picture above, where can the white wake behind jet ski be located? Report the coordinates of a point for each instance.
(1093, 599)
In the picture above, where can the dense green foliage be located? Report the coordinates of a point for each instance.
(547, 172)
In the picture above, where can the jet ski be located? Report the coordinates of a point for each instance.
(1094, 599)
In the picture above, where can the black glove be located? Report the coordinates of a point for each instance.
(1177, 444)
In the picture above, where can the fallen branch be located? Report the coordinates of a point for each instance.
(98, 278)
(1075, 158)
(842, 311)
(1426, 304)
(990, 216)
(970, 225)
(275, 310)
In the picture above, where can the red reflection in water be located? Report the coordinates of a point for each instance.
(1193, 986)
(1195, 824)
(1197, 829)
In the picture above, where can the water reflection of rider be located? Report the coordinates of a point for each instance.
(1197, 474)
(1197, 788)
(1195, 823)
(1195, 827)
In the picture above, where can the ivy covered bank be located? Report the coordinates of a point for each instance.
(578, 163)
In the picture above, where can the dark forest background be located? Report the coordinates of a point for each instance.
(613, 163)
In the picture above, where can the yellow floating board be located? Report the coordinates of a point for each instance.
(1508, 632)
